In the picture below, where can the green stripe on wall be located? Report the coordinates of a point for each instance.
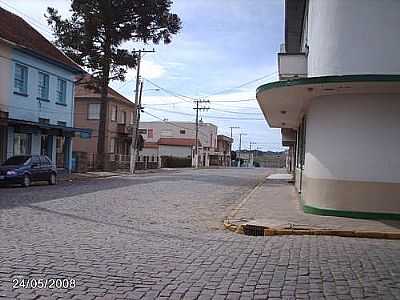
(309, 209)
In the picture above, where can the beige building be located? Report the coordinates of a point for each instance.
(178, 139)
(120, 116)
(337, 103)
(222, 156)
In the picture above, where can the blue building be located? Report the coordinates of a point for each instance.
(36, 94)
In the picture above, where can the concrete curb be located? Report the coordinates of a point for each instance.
(82, 178)
(138, 174)
(258, 230)
(255, 230)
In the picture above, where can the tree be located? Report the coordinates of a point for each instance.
(95, 33)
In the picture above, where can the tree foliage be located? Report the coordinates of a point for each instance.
(96, 31)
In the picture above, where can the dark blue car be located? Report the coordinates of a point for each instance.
(24, 169)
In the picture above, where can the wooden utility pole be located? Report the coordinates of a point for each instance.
(240, 146)
(248, 162)
(136, 115)
(230, 148)
(198, 108)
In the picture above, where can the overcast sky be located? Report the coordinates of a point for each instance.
(222, 45)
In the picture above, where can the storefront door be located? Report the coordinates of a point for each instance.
(60, 152)
(46, 145)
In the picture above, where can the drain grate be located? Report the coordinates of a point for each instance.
(253, 230)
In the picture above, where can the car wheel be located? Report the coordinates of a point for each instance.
(53, 179)
(27, 181)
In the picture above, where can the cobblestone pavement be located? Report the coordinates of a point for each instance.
(161, 236)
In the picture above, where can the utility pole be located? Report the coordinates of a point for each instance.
(197, 109)
(248, 162)
(136, 154)
(230, 150)
(137, 113)
(233, 127)
(240, 146)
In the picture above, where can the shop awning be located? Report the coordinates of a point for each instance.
(58, 130)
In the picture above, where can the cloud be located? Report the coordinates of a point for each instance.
(152, 70)
(148, 69)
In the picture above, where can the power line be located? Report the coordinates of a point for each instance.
(208, 116)
(236, 112)
(162, 104)
(177, 95)
(34, 21)
(174, 124)
(199, 107)
(228, 101)
(244, 84)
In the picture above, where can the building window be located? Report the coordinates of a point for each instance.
(94, 111)
(182, 131)
(44, 121)
(123, 117)
(114, 113)
(61, 92)
(21, 79)
(132, 116)
(60, 152)
(150, 133)
(22, 143)
(43, 86)
(112, 145)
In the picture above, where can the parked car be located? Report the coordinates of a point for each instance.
(24, 169)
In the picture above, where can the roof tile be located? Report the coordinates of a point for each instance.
(16, 30)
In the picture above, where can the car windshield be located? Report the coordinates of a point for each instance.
(16, 160)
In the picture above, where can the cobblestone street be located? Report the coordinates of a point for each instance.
(161, 236)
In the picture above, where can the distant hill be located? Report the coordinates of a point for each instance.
(269, 159)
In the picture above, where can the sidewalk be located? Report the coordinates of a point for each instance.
(273, 208)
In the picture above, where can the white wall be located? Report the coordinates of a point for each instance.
(290, 65)
(354, 137)
(160, 130)
(353, 37)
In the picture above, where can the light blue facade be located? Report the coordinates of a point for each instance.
(30, 107)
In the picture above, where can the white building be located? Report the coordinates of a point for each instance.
(178, 139)
(338, 104)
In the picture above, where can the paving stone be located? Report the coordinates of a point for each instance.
(158, 237)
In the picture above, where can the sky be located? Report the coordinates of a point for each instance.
(223, 46)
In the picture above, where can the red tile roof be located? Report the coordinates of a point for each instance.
(82, 91)
(15, 30)
(177, 142)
